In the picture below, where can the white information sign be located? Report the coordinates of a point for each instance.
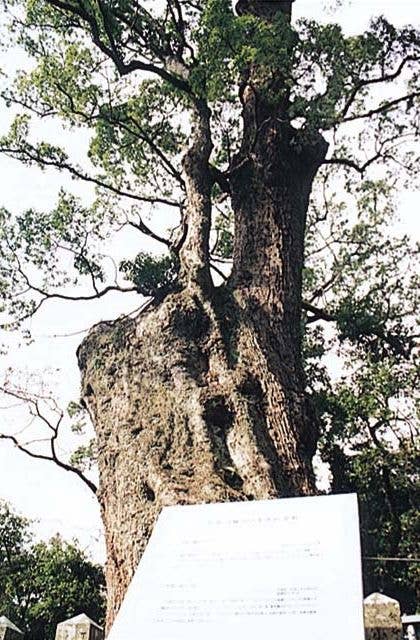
(286, 569)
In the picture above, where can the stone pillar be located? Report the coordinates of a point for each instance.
(79, 628)
(411, 626)
(382, 618)
(8, 630)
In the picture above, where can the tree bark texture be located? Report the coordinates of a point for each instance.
(191, 403)
(201, 397)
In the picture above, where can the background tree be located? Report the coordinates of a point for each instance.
(44, 583)
(369, 412)
(219, 122)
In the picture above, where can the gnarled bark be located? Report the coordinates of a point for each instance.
(189, 406)
(201, 397)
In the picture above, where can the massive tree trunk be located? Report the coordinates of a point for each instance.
(201, 397)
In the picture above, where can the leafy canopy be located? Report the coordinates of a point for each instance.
(44, 583)
(126, 76)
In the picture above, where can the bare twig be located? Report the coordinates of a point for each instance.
(53, 427)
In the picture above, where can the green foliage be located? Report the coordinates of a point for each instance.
(365, 277)
(152, 276)
(386, 479)
(137, 127)
(227, 45)
(333, 65)
(224, 231)
(42, 584)
(85, 456)
(56, 248)
(134, 139)
(131, 95)
(366, 281)
(216, 38)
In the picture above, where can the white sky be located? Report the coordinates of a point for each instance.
(59, 501)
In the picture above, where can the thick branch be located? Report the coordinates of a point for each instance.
(194, 253)
(221, 179)
(352, 164)
(318, 314)
(143, 228)
(218, 271)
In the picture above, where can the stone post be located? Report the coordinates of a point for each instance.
(79, 628)
(411, 626)
(9, 631)
(382, 618)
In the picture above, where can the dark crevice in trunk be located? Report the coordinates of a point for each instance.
(219, 418)
(254, 395)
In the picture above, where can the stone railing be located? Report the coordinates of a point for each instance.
(79, 628)
(383, 621)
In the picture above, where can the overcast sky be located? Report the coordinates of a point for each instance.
(56, 499)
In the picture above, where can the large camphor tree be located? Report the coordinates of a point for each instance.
(272, 150)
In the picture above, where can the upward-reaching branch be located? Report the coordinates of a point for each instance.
(195, 251)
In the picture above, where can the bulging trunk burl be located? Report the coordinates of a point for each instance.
(193, 401)
(201, 398)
